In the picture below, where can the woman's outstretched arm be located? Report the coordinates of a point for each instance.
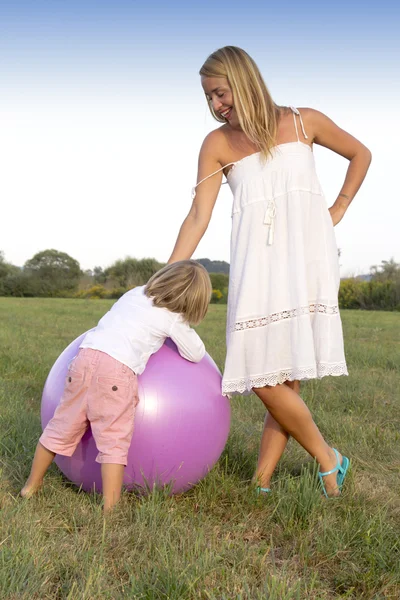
(196, 222)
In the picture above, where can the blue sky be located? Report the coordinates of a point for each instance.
(80, 34)
(102, 117)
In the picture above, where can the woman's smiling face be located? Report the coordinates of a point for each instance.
(219, 94)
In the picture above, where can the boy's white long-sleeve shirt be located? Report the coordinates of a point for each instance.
(134, 329)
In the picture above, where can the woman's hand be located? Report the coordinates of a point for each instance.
(337, 213)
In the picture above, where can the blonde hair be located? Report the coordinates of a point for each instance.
(257, 112)
(182, 287)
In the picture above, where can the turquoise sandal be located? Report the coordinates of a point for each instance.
(262, 490)
(341, 469)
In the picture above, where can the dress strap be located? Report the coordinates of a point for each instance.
(269, 219)
(208, 176)
(295, 112)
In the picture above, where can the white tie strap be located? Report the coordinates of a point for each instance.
(269, 220)
(297, 112)
(208, 176)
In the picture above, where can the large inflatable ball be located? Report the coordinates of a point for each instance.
(181, 423)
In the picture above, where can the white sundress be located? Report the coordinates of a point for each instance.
(283, 320)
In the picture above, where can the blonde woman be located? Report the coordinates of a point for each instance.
(101, 388)
(283, 321)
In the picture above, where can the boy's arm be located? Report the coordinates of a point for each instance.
(190, 345)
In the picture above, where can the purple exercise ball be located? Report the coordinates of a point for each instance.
(181, 423)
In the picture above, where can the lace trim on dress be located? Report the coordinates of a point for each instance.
(287, 314)
(272, 379)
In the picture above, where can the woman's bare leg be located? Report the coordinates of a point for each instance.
(273, 443)
(293, 416)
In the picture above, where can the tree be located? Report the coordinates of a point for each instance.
(214, 266)
(3, 265)
(219, 281)
(388, 270)
(99, 275)
(7, 271)
(6, 268)
(21, 284)
(56, 271)
(131, 271)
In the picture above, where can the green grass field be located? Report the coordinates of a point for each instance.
(218, 541)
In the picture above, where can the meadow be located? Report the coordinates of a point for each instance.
(218, 541)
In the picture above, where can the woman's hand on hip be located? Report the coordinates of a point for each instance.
(337, 213)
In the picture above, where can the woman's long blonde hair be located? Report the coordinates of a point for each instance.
(257, 112)
(182, 287)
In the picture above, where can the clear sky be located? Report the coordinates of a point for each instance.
(102, 116)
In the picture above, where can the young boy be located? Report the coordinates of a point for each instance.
(101, 384)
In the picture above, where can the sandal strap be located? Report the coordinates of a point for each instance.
(337, 468)
(328, 472)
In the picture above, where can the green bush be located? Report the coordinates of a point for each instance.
(116, 292)
(349, 293)
(24, 285)
(369, 295)
(100, 292)
(216, 296)
(220, 284)
(380, 295)
(219, 281)
(95, 291)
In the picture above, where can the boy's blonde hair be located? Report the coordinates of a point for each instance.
(257, 112)
(182, 287)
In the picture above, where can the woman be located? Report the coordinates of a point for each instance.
(283, 321)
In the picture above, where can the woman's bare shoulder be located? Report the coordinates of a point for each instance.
(324, 131)
(313, 117)
(214, 143)
(313, 120)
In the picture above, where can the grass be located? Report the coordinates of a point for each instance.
(218, 541)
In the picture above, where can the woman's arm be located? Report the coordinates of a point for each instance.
(327, 133)
(196, 222)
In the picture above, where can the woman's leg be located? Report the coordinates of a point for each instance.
(41, 462)
(293, 416)
(273, 443)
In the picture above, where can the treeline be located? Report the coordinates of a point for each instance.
(378, 291)
(51, 273)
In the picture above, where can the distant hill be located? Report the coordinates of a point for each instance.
(364, 277)
(214, 266)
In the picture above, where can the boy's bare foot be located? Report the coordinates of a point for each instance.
(41, 462)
